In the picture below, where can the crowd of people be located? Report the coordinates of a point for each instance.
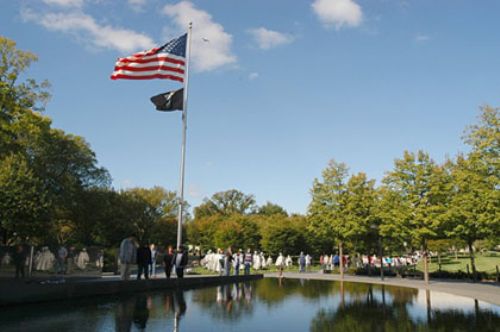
(145, 256)
(225, 262)
(61, 261)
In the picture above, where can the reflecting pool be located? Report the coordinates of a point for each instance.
(264, 305)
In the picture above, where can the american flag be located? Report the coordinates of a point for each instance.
(166, 62)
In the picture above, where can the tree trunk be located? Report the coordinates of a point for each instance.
(342, 294)
(439, 261)
(341, 263)
(381, 255)
(472, 261)
(429, 308)
(426, 268)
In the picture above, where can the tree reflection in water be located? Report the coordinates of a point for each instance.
(373, 313)
(361, 307)
(292, 304)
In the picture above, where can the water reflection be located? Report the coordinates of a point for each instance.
(374, 313)
(227, 302)
(296, 305)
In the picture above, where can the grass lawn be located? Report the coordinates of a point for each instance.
(448, 263)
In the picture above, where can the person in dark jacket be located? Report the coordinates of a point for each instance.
(168, 261)
(180, 261)
(143, 261)
(19, 258)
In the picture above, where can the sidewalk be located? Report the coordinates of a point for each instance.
(483, 291)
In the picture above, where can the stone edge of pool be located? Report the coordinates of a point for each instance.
(486, 292)
(12, 293)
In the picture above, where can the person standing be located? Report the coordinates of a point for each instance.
(62, 255)
(308, 262)
(302, 262)
(336, 261)
(280, 263)
(168, 261)
(220, 257)
(228, 261)
(180, 261)
(71, 260)
(248, 261)
(143, 261)
(152, 267)
(19, 258)
(128, 256)
(237, 262)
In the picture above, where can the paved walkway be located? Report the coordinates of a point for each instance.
(487, 292)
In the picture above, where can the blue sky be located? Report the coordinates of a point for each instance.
(280, 88)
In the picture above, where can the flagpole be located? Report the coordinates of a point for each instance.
(183, 147)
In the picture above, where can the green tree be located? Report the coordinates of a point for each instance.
(60, 166)
(392, 224)
(24, 204)
(326, 210)
(16, 97)
(201, 231)
(359, 212)
(424, 189)
(475, 199)
(284, 235)
(150, 207)
(228, 234)
(249, 231)
(110, 214)
(226, 203)
(270, 209)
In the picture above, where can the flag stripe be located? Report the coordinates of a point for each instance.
(148, 72)
(152, 59)
(151, 68)
(149, 64)
(146, 77)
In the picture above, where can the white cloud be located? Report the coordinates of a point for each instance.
(338, 13)
(421, 38)
(253, 76)
(88, 30)
(65, 3)
(211, 45)
(267, 39)
(127, 183)
(137, 5)
(195, 191)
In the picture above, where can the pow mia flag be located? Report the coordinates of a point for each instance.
(169, 101)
